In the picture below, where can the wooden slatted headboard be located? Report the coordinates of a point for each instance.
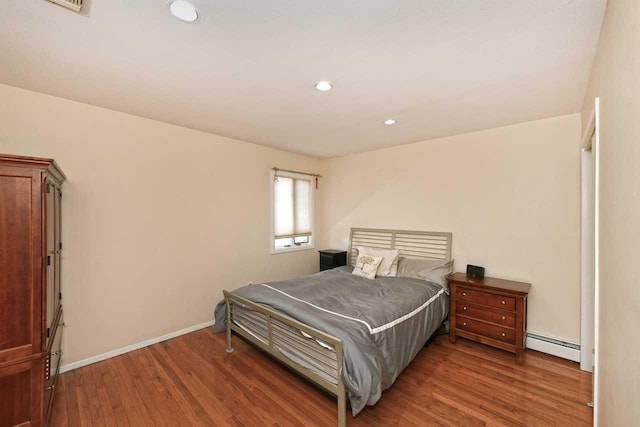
(411, 244)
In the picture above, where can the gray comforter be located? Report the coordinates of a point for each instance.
(383, 323)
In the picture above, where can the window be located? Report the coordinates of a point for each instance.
(292, 212)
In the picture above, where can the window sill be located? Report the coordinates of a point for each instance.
(292, 249)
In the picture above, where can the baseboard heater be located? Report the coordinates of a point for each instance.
(553, 346)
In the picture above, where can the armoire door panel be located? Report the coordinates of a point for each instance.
(20, 260)
(50, 297)
(50, 251)
(52, 363)
(58, 244)
(20, 386)
(50, 228)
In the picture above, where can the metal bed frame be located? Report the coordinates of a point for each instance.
(413, 244)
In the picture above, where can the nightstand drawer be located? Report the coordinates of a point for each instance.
(332, 258)
(327, 259)
(485, 329)
(491, 300)
(503, 318)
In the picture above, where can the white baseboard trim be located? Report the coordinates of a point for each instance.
(553, 346)
(132, 347)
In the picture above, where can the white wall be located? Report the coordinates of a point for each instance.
(157, 219)
(615, 78)
(510, 195)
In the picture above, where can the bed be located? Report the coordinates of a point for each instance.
(349, 335)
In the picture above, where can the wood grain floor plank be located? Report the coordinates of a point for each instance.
(281, 381)
(136, 388)
(59, 414)
(94, 402)
(179, 390)
(121, 386)
(82, 397)
(162, 390)
(72, 410)
(230, 397)
(162, 411)
(111, 402)
(204, 403)
(102, 397)
(191, 380)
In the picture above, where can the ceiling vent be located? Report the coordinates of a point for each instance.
(74, 5)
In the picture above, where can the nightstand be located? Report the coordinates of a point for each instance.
(332, 258)
(490, 311)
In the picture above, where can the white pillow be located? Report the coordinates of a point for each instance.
(389, 265)
(367, 266)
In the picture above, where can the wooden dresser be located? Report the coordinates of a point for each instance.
(491, 311)
(30, 294)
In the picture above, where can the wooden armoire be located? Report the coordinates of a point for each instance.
(30, 296)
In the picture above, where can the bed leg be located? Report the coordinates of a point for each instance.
(342, 407)
(229, 346)
(341, 391)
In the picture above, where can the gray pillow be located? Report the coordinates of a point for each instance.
(431, 270)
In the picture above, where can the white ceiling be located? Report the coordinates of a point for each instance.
(247, 69)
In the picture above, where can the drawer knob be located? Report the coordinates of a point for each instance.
(504, 302)
(464, 324)
(504, 335)
(504, 317)
(464, 308)
(464, 294)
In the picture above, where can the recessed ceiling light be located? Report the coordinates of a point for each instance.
(183, 10)
(323, 86)
(389, 122)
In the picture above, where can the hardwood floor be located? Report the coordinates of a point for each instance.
(191, 380)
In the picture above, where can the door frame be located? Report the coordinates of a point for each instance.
(590, 256)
